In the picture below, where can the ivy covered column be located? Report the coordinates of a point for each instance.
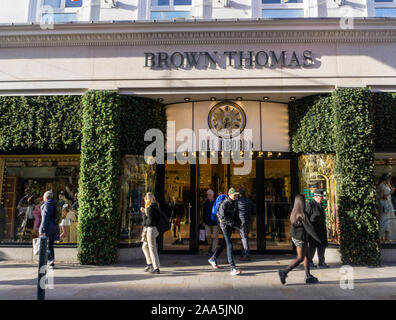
(354, 146)
(98, 221)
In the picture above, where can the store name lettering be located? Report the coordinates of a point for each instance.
(236, 59)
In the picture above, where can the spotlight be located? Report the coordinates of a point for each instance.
(265, 98)
(239, 98)
(187, 99)
(292, 98)
(213, 98)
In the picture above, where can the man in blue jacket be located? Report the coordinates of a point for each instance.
(228, 220)
(49, 226)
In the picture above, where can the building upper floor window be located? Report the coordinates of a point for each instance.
(155, 3)
(60, 4)
(282, 9)
(60, 10)
(170, 9)
(385, 8)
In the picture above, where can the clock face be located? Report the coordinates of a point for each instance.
(227, 119)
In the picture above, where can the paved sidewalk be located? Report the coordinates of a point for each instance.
(186, 277)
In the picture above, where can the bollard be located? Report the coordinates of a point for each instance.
(42, 268)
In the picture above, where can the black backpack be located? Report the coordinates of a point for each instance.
(163, 222)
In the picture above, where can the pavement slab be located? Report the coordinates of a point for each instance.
(185, 277)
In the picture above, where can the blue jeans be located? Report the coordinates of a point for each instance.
(244, 233)
(227, 231)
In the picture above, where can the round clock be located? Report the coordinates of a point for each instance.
(226, 118)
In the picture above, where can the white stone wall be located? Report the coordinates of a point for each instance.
(24, 11)
(16, 11)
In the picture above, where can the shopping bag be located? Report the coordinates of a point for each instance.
(36, 246)
(202, 235)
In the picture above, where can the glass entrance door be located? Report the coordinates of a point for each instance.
(277, 193)
(219, 178)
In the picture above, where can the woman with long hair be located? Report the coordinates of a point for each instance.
(301, 229)
(151, 216)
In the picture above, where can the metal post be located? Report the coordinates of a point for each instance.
(42, 268)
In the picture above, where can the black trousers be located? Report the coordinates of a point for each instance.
(316, 246)
(51, 252)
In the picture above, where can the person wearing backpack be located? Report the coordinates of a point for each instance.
(151, 224)
(228, 218)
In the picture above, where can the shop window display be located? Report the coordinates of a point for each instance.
(385, 172)
(317, 171)
(137, 178)
(25, 179)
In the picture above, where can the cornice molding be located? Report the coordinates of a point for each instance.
(72, 38)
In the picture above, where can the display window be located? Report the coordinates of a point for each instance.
(25, 180)
(317, 171)
(385, 173)
(137, 179)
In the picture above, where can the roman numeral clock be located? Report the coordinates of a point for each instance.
(226, 119)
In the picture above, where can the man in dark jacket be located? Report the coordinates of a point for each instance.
(228, 219)
(211, 228)
(317, 216)
(49, 227)
(246, 208)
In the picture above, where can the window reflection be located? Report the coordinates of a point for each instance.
(385, 173)
(26, 179)
(166, 15)
(137, 179)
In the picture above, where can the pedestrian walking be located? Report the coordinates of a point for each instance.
(317, 216)
(301, 230)
(246, 209)
(211, 227)
(229, 220)
(151, 217)
(49, 226)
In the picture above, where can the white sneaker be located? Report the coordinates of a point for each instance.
(213, 263)
(235, 272)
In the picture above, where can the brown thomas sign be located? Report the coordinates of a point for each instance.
(236, 59)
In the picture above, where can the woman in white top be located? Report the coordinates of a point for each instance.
(387, 219)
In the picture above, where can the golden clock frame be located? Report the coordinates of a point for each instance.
(223, 103)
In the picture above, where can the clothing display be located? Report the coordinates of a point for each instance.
(387, 220)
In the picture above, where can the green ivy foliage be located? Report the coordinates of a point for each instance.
(311, 124)
(354, 146)
(40, 123)
(138, 115)
(350, 123)
(384, 119)
(98, 222)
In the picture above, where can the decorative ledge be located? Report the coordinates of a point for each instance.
(194, 38)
